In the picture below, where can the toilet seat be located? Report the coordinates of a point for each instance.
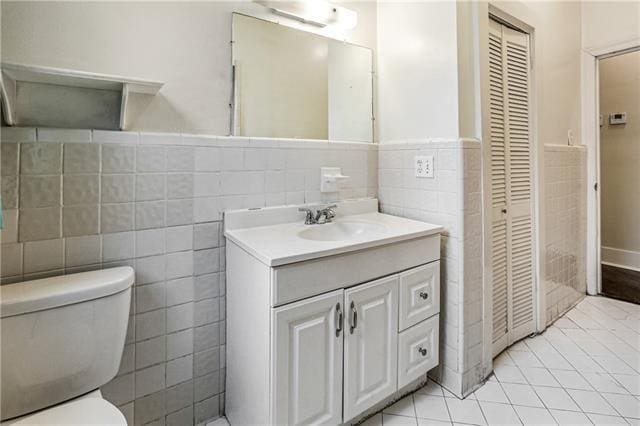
(82, 411)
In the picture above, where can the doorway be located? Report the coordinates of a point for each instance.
(619, 156)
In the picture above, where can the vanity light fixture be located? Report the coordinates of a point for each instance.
(319, 13)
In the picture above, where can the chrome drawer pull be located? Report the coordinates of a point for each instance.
(422, 351)
(424, 295)
(338, 320)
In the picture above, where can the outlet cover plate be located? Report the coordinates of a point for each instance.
(424, 166)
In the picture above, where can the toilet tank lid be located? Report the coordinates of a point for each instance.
(47, 293)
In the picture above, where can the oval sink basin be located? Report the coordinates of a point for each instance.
(343, 230)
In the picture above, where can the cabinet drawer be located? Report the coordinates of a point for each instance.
(419, 294)
(417, 350)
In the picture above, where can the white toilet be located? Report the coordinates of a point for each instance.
(62, 338)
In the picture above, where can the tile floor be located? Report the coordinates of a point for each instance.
(584, 369)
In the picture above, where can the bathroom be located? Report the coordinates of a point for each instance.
(154, 155)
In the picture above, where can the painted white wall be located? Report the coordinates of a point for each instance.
(619, 159)
(417, 70)
(184, 44)
(609, 22)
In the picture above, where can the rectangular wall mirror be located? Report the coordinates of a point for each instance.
(290, 83)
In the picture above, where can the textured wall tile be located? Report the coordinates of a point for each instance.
(150, 324)
(206, 386)
(206, 311)
(82, 250)
(127, 361)
(207, 409)
(118, 159)
(179, 317)
(117, 217)
(179, 370)
(63, 135)
(80, 220)
(149, 408)
(180, 159)
(17, 134)
(179, 238)
(206, 286)
(118, 246)
(81, 158)
(43, 255)
(207, 159)
(150, 187)
(40, 191)
(120, 390)
(179, 212)
(9, 158)
(150, 214)
(150, 242)
(180, 291)
(179, 396)
(151, 159)
(150, 352)
(81, 189)
(150, 297)
(206, 336)
(206, 185)
(127, 412)
(207, 209)
(180, 417)
(180, 344)
(179, 185)
(9, 234)
(11, 259)
(232, 159)
(150, 269)
(179, 264)
(206, 261)
(39, 224)
(118, 188)
(206, 235)
(10, 190)
(206, 361)
(40, 159)
(150, 380)
(111, 136)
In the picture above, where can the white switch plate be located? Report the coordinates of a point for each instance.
(424, 166)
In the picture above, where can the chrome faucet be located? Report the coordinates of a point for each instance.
(328, 213)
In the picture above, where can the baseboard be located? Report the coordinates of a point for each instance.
(621, 258)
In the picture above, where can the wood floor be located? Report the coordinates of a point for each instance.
(623, 284)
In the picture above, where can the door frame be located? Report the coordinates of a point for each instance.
(493, 11)
(591, 134)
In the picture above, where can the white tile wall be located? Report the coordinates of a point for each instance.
(451, 198)
(80, 199)
(565, 233)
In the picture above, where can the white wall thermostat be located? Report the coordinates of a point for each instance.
(424, 166)
(618, 118)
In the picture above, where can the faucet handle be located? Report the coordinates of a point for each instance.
(309, 220)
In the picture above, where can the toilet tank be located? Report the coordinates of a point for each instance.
(61, 337)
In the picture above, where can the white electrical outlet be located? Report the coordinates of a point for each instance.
(424, 166)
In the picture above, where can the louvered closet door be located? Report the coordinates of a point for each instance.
(511, 186)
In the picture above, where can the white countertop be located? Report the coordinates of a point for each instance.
(280, 244)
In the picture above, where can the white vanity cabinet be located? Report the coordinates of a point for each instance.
(324, 339)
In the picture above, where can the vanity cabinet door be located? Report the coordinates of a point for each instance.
(307, 361)
(371, 344)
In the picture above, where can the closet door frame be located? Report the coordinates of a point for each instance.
(537, 195)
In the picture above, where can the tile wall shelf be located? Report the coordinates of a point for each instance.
(43, 96)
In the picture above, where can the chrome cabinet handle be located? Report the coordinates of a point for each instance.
(354, 318)
(422, 351)
(338, 320)
(424, 295)
(504, 211)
